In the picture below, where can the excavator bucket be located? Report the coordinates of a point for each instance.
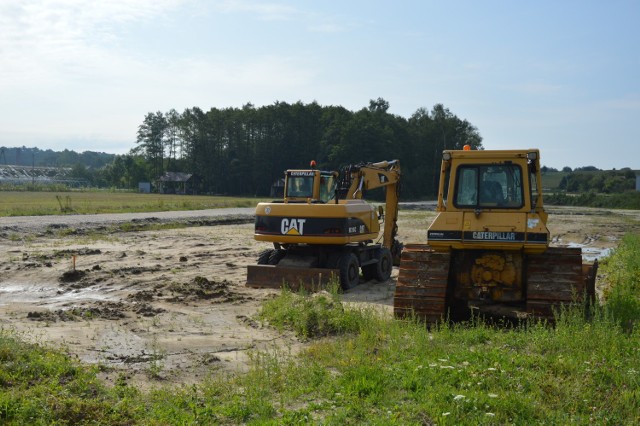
(269, 276)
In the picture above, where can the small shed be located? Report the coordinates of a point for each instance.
(177, 183)
(144, 187)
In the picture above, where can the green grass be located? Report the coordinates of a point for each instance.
(43, 386)
(312, 316)
(364, 368)
(54, 203)
(622, 269)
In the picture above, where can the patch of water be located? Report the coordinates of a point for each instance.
(12, 292)
(590, 254)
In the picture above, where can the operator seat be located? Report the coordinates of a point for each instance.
(491, 193)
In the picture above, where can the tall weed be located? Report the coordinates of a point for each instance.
(311, 316)
(622, 272)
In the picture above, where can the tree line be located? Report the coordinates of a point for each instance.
(590, 179)
(242, 151)
(23, 156)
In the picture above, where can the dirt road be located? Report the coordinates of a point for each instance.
(170, 306)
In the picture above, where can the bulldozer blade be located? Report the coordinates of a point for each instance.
(269, 276)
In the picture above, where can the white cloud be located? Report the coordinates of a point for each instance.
(42, 41)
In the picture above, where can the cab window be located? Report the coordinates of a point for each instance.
(300, 186)
(489, 186)
(327, 187)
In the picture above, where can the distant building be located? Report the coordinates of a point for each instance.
(144, 187)
(19, 175)
(637, 182)
(177, 183)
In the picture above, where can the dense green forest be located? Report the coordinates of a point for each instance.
(243, 151)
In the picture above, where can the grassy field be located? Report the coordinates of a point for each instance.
(53, 203)
(362, 368)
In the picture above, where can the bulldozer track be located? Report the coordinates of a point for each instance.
(421, 290)
(555, 278)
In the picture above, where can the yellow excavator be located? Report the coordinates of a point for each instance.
(324, 229)
(488, 248)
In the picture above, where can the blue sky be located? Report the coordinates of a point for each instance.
(562, 76)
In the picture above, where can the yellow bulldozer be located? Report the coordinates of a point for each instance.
(488, 248)
(324, 229)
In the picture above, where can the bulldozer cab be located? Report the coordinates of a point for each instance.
(490, 200)
(310, 186)
(490, 180)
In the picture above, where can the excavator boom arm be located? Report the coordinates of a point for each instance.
(370, 176)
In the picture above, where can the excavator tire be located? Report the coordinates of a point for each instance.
(276, 256)
(349, 270)
(381, 270)
(384, 266)
(263, 258)
(421, 290)
(555, 278)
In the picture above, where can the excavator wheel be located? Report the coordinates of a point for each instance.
(381, 270)
(384, 265)
(263, 258)
(421, 290)
(276, 256)
(349, 270)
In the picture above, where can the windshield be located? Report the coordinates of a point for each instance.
(300, 185)
(489, 186)
(327, 187)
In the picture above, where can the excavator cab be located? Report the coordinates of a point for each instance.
(310, 185)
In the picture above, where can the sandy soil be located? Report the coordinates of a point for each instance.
(170, 306)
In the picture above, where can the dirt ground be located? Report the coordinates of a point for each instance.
(170, 306)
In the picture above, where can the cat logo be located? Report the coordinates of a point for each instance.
(292, 226)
